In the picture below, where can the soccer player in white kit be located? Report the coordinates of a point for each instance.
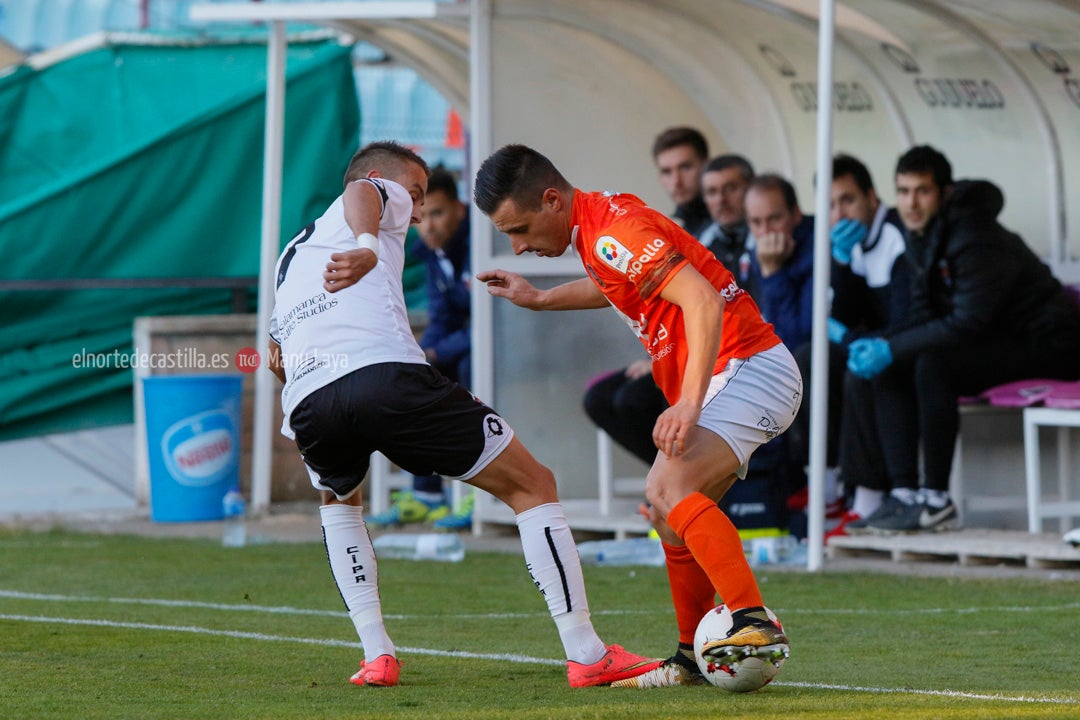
(356, 381)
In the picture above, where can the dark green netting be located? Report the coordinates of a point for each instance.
(144, 161)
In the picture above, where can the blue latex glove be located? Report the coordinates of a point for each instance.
(867, 357)
(837, 330)
(845, 235)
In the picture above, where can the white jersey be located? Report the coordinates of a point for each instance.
(886, 243)
(325, 336)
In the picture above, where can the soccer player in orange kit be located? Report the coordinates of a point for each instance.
(731, 383)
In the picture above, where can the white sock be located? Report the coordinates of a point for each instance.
(908, 496)
(352, 562)
(866, 501)
(552, 560)
(936, 498)
(832, 492)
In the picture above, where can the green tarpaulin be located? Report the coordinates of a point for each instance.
(144, 160)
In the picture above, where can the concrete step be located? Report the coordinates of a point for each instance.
(967, 547)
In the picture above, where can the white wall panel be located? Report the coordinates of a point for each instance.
(965, 98)
(1042, 39)
(780, 48)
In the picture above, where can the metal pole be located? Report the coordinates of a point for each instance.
(819, 362)
(480, 141)
(265, 382)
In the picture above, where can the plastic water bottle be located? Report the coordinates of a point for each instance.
(632, 551)
(445, 547)
(234, 507)
(778, 550)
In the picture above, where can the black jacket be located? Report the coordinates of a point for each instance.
(974, 281)
(694, 216)
(732, 247)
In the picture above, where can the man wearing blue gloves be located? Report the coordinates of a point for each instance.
(845, 234)
(870, 297)
(984, 311)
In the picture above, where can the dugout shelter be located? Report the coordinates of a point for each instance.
(994, 83)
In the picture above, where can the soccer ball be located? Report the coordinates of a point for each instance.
(747, 675)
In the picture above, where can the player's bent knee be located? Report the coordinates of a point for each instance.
(538, 485)
(329, 498)
(661, 495)
(518, 479)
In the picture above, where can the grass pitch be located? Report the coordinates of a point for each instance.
(131, 627)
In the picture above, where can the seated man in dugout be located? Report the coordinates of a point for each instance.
(984, 311)
(783, 266)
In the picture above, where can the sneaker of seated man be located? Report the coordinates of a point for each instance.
(462, 519)
(867, 503)
(411, 507)
(910, 510)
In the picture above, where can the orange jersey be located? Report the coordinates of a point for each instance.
(632, 252)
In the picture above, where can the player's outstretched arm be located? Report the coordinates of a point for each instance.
(575, 295)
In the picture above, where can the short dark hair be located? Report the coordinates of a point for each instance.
(442, 180)
(770, 182)
(386, 156)
(518, 173)
(845, 165)
(677, 136)
(730, 160)
(925, 159)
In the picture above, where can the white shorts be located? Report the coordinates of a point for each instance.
(752, 401)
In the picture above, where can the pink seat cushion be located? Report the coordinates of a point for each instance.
(1021, 393)
(1065, 395)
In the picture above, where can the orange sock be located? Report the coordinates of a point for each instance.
(692, 591)
(716, 546)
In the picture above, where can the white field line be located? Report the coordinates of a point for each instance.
(933, 611)
(501, 657)
(285, 610)
(272, 638)
(935, 693)
(497, 656)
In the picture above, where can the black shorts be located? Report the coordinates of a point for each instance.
(421, 421)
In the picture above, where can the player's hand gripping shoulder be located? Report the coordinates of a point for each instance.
(346, 268)
(363, 206)
(673, 426)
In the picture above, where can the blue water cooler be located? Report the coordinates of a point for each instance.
(193, 440)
